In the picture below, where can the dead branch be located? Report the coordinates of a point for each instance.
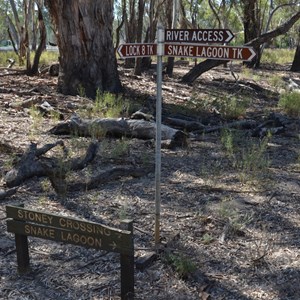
(33, 163)
(12, 72)
(28, 167)
(240, 124)
(4, 194)
(110, 175)
(183, 124)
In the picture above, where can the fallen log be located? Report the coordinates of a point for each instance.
(141, 129)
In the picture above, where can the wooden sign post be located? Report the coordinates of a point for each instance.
(25, 222)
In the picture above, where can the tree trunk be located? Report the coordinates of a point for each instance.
(84, 35)
(130, 29)
(171, 16)
(296, 62)
(252, 28)
(27, 32)
(42, 43)
(12, 33)
(120, 25)
(23, 43)
(24, 33)
(139, 33)
(151, 30)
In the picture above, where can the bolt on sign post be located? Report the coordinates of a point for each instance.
(25, 222)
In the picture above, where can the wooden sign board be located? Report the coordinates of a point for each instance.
(202, 36)
(25, 222)
(68, 230)
(189, 50)
(137, 50)
(210, 51)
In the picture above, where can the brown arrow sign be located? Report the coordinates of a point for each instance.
(188, 50)
(208, 51)
(202, 36)
(137, 50)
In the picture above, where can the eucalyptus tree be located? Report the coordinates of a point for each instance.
(84, 36)
(25, 22)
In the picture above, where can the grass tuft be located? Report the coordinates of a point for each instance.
(290, 103)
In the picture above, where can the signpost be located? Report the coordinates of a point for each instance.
(25, 222)
(160, 53)
(182, 43)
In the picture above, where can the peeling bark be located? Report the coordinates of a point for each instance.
(84, 35)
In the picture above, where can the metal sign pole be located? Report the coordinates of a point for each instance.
(160, 53)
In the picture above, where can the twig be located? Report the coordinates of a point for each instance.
(142, 231)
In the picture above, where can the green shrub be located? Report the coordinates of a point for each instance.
(276, 81)
(247, 156)
(290, 103)
(278, 56)
(229, 106)
(110, 105)
(181, 264)
(232, 107)
(48, 57)
(227, 141)
(5, 55)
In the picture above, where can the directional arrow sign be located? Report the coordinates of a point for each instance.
(202, 36)
(208, 51)
(188, 50)
(137, 50)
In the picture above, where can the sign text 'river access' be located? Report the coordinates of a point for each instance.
(201, 36)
